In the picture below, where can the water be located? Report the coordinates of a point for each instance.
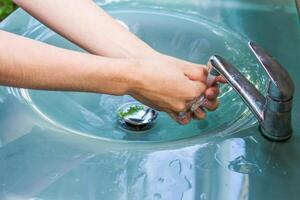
(242, 165)
(189, 38)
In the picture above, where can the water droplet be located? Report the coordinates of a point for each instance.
(176, 164)
(54, 176)
(242, 165)
(157, 196)
(203, 196)
(188, 182)
(284, 173)
(161, 180)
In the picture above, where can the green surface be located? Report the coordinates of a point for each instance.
(39, 160)
(6, 7)
(132, 110)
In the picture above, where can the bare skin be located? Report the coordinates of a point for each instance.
(122, 64)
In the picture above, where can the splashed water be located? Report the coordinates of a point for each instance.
(242, 165)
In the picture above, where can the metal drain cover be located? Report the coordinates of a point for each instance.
(135, 116)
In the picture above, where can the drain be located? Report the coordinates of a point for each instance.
(134, 116)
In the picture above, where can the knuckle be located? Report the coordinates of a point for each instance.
(203, 71)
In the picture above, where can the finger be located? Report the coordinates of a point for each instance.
(211, 105)
(220, 79)
(196, 73)
(187, 118)
(199, 114)
(180, 120)
(212, 93)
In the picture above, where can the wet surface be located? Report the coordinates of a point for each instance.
(93, 170)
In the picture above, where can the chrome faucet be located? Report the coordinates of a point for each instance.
(273, 111)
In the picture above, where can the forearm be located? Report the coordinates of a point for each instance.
(31, 64)
(87, 25)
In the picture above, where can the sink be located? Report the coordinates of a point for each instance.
(66, 145)
(193, 39)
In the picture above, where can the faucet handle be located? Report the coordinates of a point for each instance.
(281, 86)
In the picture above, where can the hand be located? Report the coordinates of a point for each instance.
(212, 102)
(168, 84)
(211, 93)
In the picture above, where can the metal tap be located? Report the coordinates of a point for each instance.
(273, 112)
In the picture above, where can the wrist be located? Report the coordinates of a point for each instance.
(111, 76)
(134, 76)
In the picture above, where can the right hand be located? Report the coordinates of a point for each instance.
(168, 85)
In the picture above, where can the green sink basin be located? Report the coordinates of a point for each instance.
(65, 145)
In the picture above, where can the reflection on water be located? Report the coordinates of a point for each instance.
(193, 39)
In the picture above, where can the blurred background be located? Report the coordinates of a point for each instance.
(6, 7)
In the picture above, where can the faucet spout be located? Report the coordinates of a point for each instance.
(250, 95)
(273, 112)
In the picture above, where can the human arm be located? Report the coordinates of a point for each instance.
(31, 64)
(87, 25)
